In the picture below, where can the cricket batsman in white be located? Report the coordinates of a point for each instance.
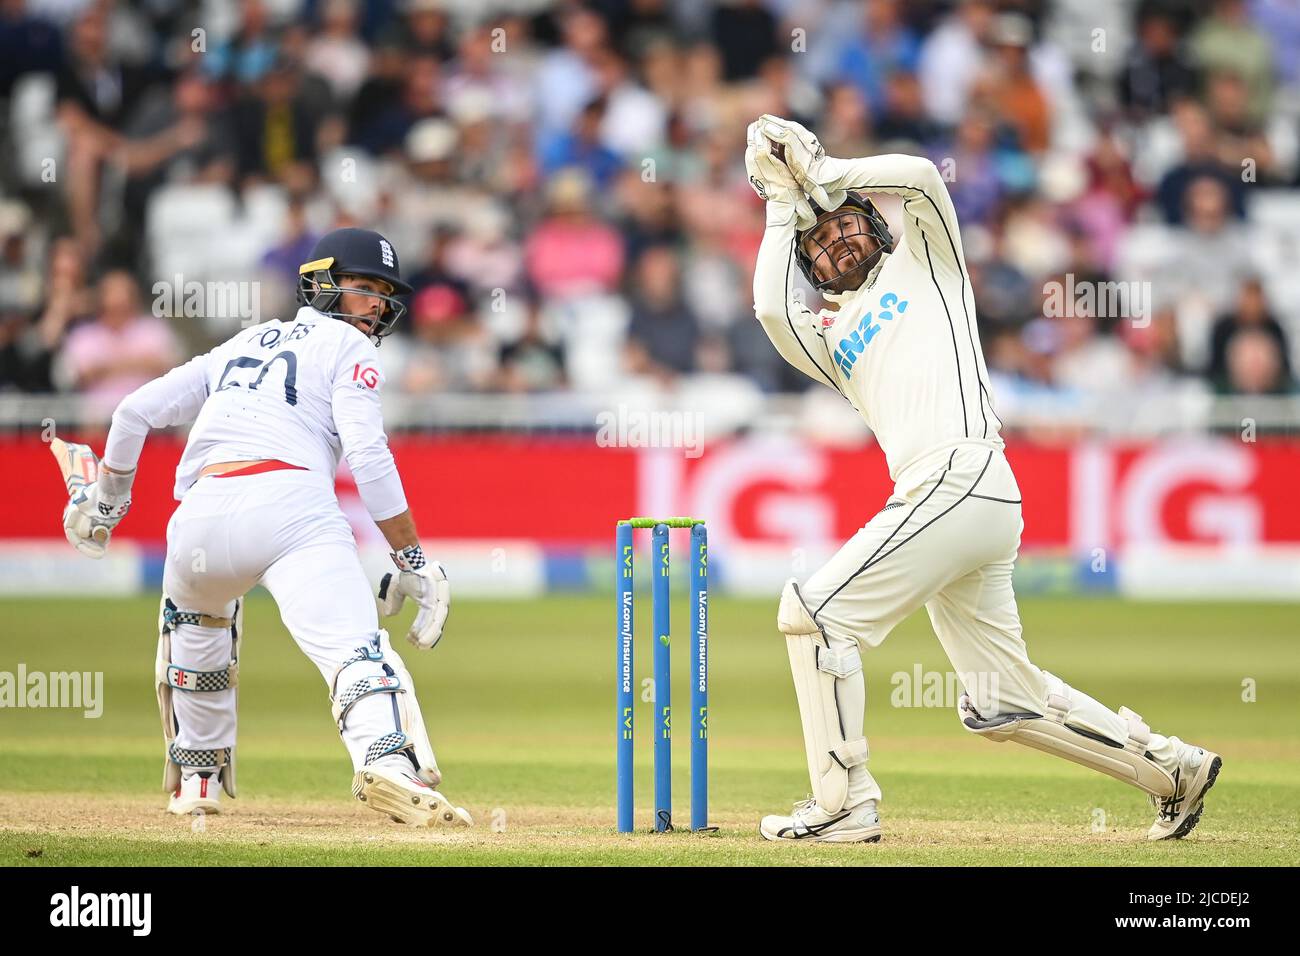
(273, 409)
(899, 343)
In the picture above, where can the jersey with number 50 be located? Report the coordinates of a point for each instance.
(304, 391)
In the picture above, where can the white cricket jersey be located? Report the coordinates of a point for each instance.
(303, 390)
(903, 349)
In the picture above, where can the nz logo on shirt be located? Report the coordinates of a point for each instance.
(856, 342)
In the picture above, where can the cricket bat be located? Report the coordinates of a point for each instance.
(79, 467)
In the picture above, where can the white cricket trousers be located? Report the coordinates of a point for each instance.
(949, 544)
(283, 530)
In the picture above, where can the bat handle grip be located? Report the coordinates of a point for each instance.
(100, 535)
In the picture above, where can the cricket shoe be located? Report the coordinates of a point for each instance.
(406, 798)
(199, 792)
(1176, 816)
(860, 824)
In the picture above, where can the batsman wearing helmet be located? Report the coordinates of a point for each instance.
(274, 408)
(899, 342)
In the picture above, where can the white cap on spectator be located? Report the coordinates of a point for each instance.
(472, 104)
(430, 141)
(15, 217)
(1062, 177)
(1011, 29)
(490, 223)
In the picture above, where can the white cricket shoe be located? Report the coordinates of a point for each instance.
(1176, 816)
(860, 824)
(406, 798)
(199, 792)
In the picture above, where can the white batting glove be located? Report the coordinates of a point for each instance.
(770, 178)
(91, 516)
(425, 583)
(802, 154)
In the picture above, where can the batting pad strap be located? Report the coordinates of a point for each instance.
(361, 655)
(1139, 732)
(172, 617)
(839, 661)
(185, 757)
(851, 753)
(374, 684)
(385, 745)
(182, 678)
(1056, 705)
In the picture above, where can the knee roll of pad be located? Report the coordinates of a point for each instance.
(171, 678)
(793, 619)
(1053, 732)
(792, 615)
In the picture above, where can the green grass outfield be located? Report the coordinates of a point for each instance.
(519, 700)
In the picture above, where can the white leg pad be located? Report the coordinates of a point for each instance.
(815, 667)
(171, 678)
(410, 734)
(1053, 732)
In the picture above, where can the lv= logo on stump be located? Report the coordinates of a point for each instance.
(662, 656)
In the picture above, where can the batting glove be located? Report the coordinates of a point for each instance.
(425, 583)
(770, 178)
(803, 155)
(91, 516)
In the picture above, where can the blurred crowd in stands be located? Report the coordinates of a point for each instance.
(565, 186)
